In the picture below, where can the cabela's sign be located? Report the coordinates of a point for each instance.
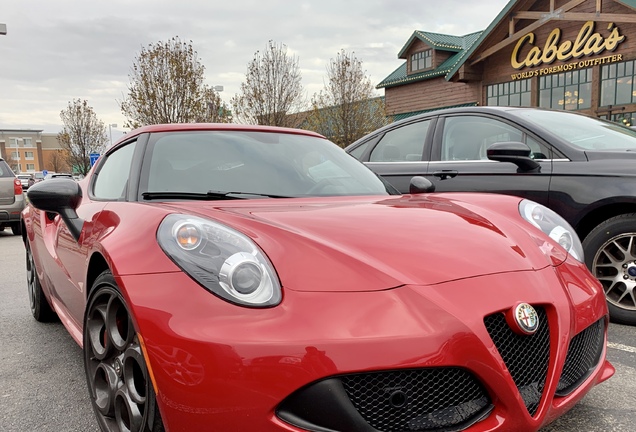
(587, 43)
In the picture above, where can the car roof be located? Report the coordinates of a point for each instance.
(184, 127)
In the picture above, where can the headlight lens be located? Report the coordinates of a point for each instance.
(554, 226)
(222, 260)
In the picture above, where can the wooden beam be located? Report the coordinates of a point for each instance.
(598, 6)
(511, 26)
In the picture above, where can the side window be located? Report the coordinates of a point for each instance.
(359, 151)
(468, 138)
(112, 178)
(405, 143)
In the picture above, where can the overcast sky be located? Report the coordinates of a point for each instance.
(58, 50)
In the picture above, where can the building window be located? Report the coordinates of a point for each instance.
(13, 142)
(422, 60)
(514, 93)
(567, 90)
(15, 155)
(28, 155)
(28, 142)
(617, 84)
(30, 167)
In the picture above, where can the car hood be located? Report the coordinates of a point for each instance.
(366, 244)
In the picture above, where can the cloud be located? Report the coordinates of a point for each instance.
(58, 51)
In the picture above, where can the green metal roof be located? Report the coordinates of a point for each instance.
(400, 77)
(628, 3)
(401, 116)
(436, 40)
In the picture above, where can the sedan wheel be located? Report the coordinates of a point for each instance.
(120, 388)
(40, 307)
(610, 251)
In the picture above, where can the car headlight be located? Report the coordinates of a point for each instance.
(222, 260)
(554, 226)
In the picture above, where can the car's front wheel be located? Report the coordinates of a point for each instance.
(610, 253)
(121, 392)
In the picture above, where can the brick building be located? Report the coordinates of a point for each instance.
(560, 54)
(28, 150)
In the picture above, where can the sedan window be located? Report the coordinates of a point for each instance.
(468, 138)
(403, 144)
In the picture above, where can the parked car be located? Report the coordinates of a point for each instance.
(52, 175)
(38, 176)
(579, 166)
(196, 262)
(26, 180)
(11, 199)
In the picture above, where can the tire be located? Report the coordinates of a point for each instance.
(16, 228)
(40, 307)
(118, 381)
(610, 254)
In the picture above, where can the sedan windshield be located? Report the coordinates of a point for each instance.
(583, 132)
(252, 165)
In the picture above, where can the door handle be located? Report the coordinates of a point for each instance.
(445, 174)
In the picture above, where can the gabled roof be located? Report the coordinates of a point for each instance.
(438, 41)
(462, 44)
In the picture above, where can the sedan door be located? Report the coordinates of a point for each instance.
(459, 161)
(399, 153)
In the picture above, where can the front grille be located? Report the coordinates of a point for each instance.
(417, 399)
(583, 355)
(526, 357)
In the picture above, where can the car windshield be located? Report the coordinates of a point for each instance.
(257, 163)
(584, 132)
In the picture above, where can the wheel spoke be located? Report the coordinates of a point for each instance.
(127, 413)
(118, 324)
(135, 374)
(97, 333)
(105, 383)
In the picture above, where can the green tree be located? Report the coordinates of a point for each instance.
(83, 133)
(272, 89)
(347, 108)
(167, 86)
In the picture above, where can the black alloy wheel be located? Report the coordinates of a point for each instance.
(610, 253)
(40, 307)
(121, 392)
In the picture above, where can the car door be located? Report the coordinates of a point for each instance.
(399, 153)
(109, 183)
(459, 161)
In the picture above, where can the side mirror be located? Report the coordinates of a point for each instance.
(517, 153)
(61, 196)
(421, 185)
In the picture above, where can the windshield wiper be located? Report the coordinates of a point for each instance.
(210, 195)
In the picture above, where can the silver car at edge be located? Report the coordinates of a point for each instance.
(11, 199)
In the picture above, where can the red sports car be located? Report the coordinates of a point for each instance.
(236, 278)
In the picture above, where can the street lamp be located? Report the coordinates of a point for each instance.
(3, 29)
(110, 131)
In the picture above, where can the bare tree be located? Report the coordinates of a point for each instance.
(272, 89)
(167, 86)
(58, 161)
(346, 109)
(83, 133)
(13, 163)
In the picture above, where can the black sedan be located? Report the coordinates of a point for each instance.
(581, 167)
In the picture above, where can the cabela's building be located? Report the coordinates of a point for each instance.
(562, 54)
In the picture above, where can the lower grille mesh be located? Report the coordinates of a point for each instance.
(583, 355)
(416, 400)
(526, 357)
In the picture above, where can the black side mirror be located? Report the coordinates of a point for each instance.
(517, 153)
(421, 185)
(61, 196)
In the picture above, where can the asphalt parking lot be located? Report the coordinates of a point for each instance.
(42, 384)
